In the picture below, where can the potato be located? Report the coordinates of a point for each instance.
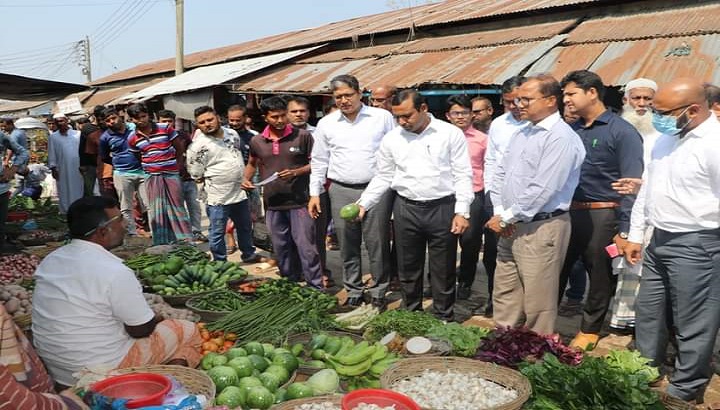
(12, 305)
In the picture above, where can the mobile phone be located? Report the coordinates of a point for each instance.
(612, 250)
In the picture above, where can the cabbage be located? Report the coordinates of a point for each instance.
(326, 381)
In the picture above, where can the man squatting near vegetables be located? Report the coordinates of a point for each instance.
(89, 309)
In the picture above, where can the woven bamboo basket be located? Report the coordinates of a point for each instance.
(194, 381)
(503, 376)
(673, 403)
(179, 301)
(305, 338)
(206, 315)
(295, 404)
(23, 321)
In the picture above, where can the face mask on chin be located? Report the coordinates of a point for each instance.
(669, 124)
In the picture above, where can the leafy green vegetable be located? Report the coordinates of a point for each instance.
(404, 322)
(593, 384)
(631, 362)
(464, 340)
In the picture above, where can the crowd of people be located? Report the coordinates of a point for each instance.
(558, 190)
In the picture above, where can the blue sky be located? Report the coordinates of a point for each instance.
(37, 37)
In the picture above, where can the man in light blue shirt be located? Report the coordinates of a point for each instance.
(20, 157)
(531, 194)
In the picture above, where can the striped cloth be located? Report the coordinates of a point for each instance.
(24, 382)
(628, 286)
(158, 152)
(172, 339)
(170, 221)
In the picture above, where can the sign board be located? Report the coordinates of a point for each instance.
(69, 105)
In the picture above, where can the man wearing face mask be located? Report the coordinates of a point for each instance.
(680, 199)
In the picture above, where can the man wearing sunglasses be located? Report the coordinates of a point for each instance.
(89, 309)
(600, 215)
(680, 199)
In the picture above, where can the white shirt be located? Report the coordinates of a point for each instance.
(422, 167)
(681, 185)
(220, 163)
(501, 130)
(84, 295)
(345, 150)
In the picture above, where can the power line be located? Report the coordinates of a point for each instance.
(35, 50)
(130, 21)
(91, 4)
(113, 30)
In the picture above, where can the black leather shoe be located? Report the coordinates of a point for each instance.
(354, 301)
(380, 304)
(463, 292)
(427, 293)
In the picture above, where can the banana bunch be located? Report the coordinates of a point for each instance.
(363, 360)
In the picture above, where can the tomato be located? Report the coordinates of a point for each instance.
(210, 346)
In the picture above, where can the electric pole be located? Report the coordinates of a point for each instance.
(85, 63)
(179, 53)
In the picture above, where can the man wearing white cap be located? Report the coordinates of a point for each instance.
(64, 162)
(637, 110)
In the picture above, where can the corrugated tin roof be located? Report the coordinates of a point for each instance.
(208, 76)
(486, 65)
(677, 22)
(425, 15)
(106, 96)
(14, 106)
(661, 59)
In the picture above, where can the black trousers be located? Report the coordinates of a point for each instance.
(592, 231)
(321, 226)
(4, 203)
(490, 250)
(417, 226)
(471, 241)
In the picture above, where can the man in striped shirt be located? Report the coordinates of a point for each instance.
(162, 157)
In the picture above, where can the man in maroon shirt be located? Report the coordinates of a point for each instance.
(284, 150)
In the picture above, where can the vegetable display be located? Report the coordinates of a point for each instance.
(16, 299)
(593, 384)
(187, 254)
(221, 300)
(15, 268)
(358, 318)
(404, 322)
(464, 340)
(286, 288)
(174, 278)
(511, 346)
(271, 318)
(454, 391)
(632, 363)
(25, 203)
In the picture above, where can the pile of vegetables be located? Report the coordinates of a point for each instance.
(451, 390)
(187, 254)
(286, 288)
(158, 305)
(16, 299)
(175, 278)
(464, 340)
(15, 268)
(358, 318)
(595, 383)
(509, 347)
(215, 341)
(257, 375)
(360, 364)
(25, 203)
(406, 323)
(271, 318)
(221, 300)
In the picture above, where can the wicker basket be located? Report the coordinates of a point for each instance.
(179, 301)
(673, 403)
(23, 321)
(305, 338)
(194, 381)
(206, 315)
(294, 404)
(503, 376)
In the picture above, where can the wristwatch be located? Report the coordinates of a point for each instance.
(503, 224)
(464, 215)
(623, 235)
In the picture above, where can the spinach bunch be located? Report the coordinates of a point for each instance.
(593, 384)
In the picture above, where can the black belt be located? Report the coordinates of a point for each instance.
(351, 186)
(431, 202)
(547, 215)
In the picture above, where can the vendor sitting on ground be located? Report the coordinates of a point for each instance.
(24, 382)
(89, 309)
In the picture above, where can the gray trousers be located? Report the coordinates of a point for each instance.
(680, 287)
(126, 185)
(190, 196)
(375, 228)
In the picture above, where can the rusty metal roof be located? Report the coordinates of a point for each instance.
(392, 21)
(485, 65)
(661, 59)
(683, 21)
